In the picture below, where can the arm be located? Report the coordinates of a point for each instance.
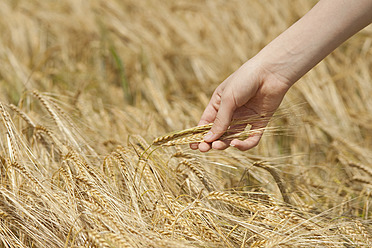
(314, 36)
(259, 85)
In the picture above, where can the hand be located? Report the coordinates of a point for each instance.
(258, 87)
(249, 92)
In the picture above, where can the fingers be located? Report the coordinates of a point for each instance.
(217, 145)
(207, 117)
(204, 147)
(244, 145)
(254, 139)
(216, 131)
(211, 110)
(247, 144)
(194, 146)
(222, 120)
(221, 144)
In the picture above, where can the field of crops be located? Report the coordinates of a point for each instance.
(87, 86)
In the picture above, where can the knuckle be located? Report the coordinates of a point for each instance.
(219, 126)
(249, 144)
(254, 143)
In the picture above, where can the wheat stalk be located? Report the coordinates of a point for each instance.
(199, 172)
(96, 240)
(29, 176)
(362, 167)
(234, 200)
(183, 137)
(22, 114)
(279, 181)
(171, 136)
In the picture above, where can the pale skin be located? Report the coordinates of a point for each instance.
(259, 85)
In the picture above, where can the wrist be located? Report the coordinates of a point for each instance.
(293, 53)
(273, 69)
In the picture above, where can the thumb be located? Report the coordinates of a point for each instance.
(222, 120)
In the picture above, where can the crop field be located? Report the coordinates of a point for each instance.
(99, 100)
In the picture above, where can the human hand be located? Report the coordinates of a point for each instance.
(248, 93)
(257, 88)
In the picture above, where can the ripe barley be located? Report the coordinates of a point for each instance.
(235, 200)
(190, 131)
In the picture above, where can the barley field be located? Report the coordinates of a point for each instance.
(98, 103)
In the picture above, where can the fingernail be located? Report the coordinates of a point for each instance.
(208, 136)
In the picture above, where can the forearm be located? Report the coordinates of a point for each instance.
(314, 36)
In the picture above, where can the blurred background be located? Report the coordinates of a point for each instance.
(149, 67)
(123, 68)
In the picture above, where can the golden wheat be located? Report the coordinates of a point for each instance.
(197, 134)
(86, 86)
(234, 200)
(187, 132)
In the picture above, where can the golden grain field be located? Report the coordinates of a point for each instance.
(93, 91)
